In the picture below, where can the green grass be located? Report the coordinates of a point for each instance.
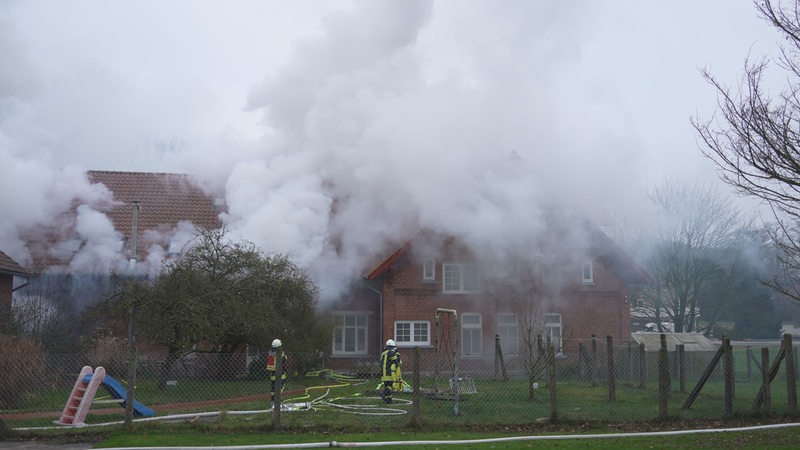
(770, 438)
(496, 404)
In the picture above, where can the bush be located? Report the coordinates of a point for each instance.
(22, 360)
(111, 353)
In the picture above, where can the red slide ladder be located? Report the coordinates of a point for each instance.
(81, 397)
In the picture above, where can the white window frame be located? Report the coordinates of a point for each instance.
(341, 337)
(467, 278)
(587, 272)
(429, 270)
(553, 328)
(471, 328)
(414, 327)
(508, 330)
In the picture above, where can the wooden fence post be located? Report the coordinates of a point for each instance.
(663, 379)
(728, 375)
(681, 367)
(416, 420)
(551, 381)
(629, 372)
(593, 362)
(791, 377)
(582, 360)
(499, 363)
(766, 403)
(276, 405)
(612, 380)
(642, 365)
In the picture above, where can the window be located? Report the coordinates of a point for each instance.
(471, 334)
(459, 278)
(508, 332)
(552, 331)
(588, 273)
(350, 334)
(429, 270)
(412, 332)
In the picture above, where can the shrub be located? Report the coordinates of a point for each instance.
(110, 352)
(22, 360)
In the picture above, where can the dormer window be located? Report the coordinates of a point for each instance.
(587, 276)
(429, 270)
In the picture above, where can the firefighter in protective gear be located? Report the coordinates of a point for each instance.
(272, 356)
(390, 371)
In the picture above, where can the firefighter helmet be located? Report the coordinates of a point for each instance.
(390, 343)
(276, 343)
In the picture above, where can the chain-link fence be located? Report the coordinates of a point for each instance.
(603, 382)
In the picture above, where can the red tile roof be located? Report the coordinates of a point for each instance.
(164, 199)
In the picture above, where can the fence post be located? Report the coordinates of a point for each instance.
(630, 363)
(582, 360)
(681, 367)
(551, 381)
(663, 379)
(791, 377)
(415, 397)
(766, 398)
(498, 359)
(276, 406)
(728, 375)
(749, 357)
(130, 397)
(612, 380)
(642, 365)
(593, 362)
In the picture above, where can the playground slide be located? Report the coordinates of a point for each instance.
(116, 390)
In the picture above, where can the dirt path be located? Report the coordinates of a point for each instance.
(166, 407)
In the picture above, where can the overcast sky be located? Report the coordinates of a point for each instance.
(408, 110)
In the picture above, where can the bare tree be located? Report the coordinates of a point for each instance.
(696, 227)
(528, 308)
(754, 140)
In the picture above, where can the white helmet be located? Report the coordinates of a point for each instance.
(276, 343)
(390, 343)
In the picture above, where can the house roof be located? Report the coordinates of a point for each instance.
(384, 265)
(165, 200)
(692, 342)
(10, 267)
(618, 260)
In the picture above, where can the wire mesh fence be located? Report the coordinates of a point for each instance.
(618, 383)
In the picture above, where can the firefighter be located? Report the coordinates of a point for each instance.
(390, 371)
(271, 364)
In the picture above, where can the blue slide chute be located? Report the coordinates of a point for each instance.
(116, 390)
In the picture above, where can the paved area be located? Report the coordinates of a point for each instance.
(39, 445)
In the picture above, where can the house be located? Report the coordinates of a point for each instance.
(149, 218)
(164, 202)
(565, 296)
(154, 212)
(9, 269)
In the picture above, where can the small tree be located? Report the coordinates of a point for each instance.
(220, 296)
(528, 308)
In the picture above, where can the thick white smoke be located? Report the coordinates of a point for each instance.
(377, 118)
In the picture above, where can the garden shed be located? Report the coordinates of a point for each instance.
(692, 342)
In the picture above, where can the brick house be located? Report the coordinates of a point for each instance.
(495, 300)
(165, 207)
(165, 200)
(8, 270)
